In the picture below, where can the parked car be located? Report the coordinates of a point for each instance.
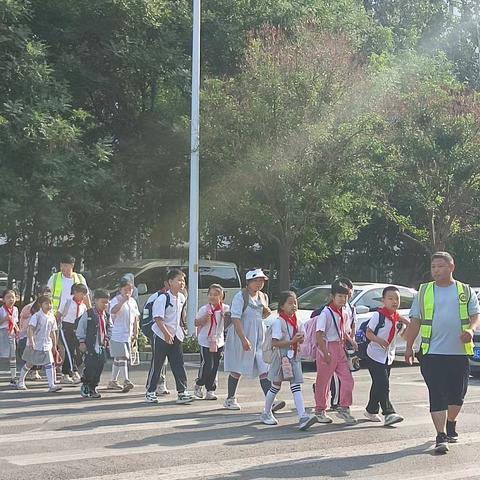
(150, 275)
(475, 360)
(366, 298)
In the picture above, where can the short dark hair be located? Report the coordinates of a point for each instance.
(442, 256)
(283, 297)
(100, 293)
(42, 290)
(78, 288)
(175, 272)
(390, 288)
(68, 259)
(346, 281)
(339, 289)
(125, 281)
(37, 304)
(7, 291)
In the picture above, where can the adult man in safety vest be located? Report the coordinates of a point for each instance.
(60, 283)
(446, 312)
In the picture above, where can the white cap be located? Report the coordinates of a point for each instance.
(257, 273)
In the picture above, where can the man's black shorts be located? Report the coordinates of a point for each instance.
(446, 377)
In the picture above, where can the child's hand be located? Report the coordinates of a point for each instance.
(32, 344)
(354, 344)
(82, 347)
(404, 320)
(247, 346)
(204, 320)
(169, 338)
(266, 312)
(383, 343)
(298, 338)
(327, 357)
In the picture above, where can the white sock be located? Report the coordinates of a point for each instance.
(298, 399)
(50, 371)
(270, 398)
(115, 370)
(123, 367)
(13, 368)
(23, 373)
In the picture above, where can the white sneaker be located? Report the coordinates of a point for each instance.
(184, 398)
(211, 396)
(268, 419)
(307, 421)
(66, 380)
(322, 417)
(198, 392)
(127, 386)
(346, 416)
(114, 385)
(372, 417)
(21, 386)
(76, 378)
(54, 389)
(392, 419)
(162, 389)
(231, 404)
(151, 397)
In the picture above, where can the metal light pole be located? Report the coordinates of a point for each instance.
(194, 173)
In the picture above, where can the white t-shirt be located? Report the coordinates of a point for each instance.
(124, 319)
(374, 350)
(216, 331)
(4, 322)
(325, 324)
(66, 288)
(71, 311)
(43, 326)
(171, 315)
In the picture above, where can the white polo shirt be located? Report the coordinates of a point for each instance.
(124, 319)
(171, 315)
(4, 317)
(71, 311)
(374, 350)
(325, 324)
(43, 325)
(217, 331)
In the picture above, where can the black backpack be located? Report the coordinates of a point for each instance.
(147, 320)
(361, 335)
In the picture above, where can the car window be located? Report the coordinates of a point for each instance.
(406, 298)
(371, 299)
(153, 278)
(314, 298)
(227, 277)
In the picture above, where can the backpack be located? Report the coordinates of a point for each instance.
(147, 320)
(267, 347)
(308, 349)
(361, 336)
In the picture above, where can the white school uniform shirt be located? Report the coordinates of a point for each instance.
(4, 317)
(43, 325)
(374, 350)
(171, 315)
(278, 333)
(325, 324)
(204, 329)
(70, 311)
(124, 319)
(66, 289)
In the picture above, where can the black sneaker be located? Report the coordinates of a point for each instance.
(94, 393)
(441, 443)
(85, 391)
(452, 435)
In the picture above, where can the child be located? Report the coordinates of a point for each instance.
(167, 338)
(8, 332)
(124, 313)
(93, 333)
(332, 335)
(211, 324)
(381, 353)
(41, 343)
(72, 309)
(25, 316)
(286, 336)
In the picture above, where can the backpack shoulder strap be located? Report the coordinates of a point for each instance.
(380, 324)
(334, 322)
(246, 299)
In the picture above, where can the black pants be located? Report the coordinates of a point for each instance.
(174, 353)
(207, 374)
(335, 386)
(94, 363)
(380, 389)
(446, 377)
(72, 353)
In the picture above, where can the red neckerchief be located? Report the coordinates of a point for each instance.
(339, 312)
(213, 317)
(102, 327)
(393, 317)
(293, 322)
(11, 321)
(78, 307)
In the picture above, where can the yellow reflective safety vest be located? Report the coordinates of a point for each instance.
(426, 301)
(58, 288)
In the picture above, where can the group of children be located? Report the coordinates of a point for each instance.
(237, 333)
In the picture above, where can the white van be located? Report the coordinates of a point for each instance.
(152, 274)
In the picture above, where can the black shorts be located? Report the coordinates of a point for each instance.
(446, 377)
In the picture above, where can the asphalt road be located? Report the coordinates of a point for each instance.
(62, 436)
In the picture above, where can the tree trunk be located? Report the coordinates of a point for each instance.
(31, 260)
(284, 257)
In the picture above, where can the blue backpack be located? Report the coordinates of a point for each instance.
(361, 336)
(147, 320)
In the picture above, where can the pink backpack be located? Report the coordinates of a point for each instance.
(308, 349)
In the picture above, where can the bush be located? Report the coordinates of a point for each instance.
(190, 345)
